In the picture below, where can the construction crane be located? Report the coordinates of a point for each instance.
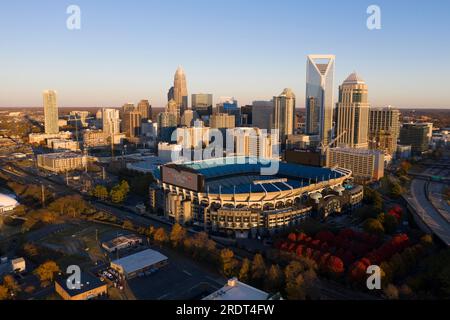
(324, 148)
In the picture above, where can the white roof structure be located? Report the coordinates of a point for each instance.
(236, 290)
(7, 201)
(140, 260)
(354, 78)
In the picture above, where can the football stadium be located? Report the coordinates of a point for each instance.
(233, 195)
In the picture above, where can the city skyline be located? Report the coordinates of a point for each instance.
(91, 68)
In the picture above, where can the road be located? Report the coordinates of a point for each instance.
(427, 212)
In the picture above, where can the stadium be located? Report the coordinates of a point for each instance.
(232, 195)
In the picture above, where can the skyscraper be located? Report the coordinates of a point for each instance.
(202, 104)
(284, 113)
(50, 112)
(132, 121)
(384, 129)
(180, 93)
(111, 121)
(145, 109)
(320, 96)
(262, 114)
(353, 113)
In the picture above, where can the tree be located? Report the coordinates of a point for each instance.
(244, 272)
(117, 195)
(47, 270)
(228, 262)
(390, 223)
(300, 277)
(373, 226)
(177, 235)
(160, 236)
(4, 293)
(391, 292)
(258, 268)
(274, 279)
(396, 190)
(11, 284)
(100, 192)
(128, 225)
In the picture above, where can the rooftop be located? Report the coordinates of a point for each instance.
(88, 282)
(236, 290)
(140, 260)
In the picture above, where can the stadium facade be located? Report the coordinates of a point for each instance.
(231, 195)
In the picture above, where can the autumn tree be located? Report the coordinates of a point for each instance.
(128, 225)
(391, 292)
(177, 235)
(47, 270)
(160, 236)
(300, 278)
(100, 192)
(228, 262)
(258, 269)
(4, 293)
(11, 284)
(373, 226)
(244, 272)
(274, 279)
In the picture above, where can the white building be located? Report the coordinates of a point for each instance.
(238, 291)
(7, 203)
(169, 152)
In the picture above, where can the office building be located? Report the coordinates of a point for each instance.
(187, 119)
(229, 105)
(50, 112)
(180, 92)
(262, 114)
(79, 119)
(415, 135)
(38, 138)
(132, 121)
(222, 121)
(63, 144)
(320, 96)
(353, 113)
(284, 114)
(253, 142)
(61, 162)
(90, 288)
(202, 104)
(111, 121)
(145, 109)
(384, 129)
(247, 115)
(366, 165)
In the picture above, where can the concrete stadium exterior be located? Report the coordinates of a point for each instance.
(230, 194)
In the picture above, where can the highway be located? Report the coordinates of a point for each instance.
(427, 212)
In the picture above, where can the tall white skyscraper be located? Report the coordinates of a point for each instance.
(111, 121)
(50, 112)
(352, 126)
(320, 96)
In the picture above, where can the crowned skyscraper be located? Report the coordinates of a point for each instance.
(353, 113)
(180, 93)
(319, 96)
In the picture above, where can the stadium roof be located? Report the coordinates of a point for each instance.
(238, 175)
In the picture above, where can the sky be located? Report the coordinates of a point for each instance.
(129, 50)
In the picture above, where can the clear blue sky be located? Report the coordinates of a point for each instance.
(250, 49)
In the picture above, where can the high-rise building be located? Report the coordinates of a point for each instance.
(366, 165)
(111, 121)
(132, 121)
(262, 114)
(253, 142)
(145, 109)
(353, 113)
(247, 115)
(222, 121)
(180, 92)
(415, 135)
(284, 113)
(50, 112)
(187, 119)
(384, 129)
(127, 107)
(320, 96)
(229, 105)
(202, 104)
(171, 94)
